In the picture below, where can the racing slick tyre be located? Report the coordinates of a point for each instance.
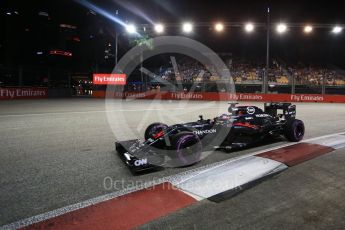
(294, 130)
(153, 129)
(188, 149)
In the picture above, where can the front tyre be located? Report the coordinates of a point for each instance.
(188, 149)
(294, 130)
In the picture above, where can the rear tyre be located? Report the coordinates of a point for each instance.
(294, 130)
(188, 149)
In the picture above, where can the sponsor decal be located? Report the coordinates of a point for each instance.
(291, 112)
(134, 95)
(195, 126)
(129, 95)
(262, 115)
(186, 96)
(303, 97)
(17, 93)
(109, 79)
(250, 97)
(241, 96)
(140, 162)
(250, 110)
(206, 131)
(212, 96)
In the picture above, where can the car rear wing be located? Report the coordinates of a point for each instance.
(288, 110)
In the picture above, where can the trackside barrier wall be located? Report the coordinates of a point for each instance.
(23, 93)
(59, 92)
(213, 96)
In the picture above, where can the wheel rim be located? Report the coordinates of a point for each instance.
(189, 150)
(299, 131)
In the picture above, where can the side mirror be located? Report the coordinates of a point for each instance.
(232, 106)
(201, 117)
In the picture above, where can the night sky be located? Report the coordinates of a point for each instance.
(294, 46)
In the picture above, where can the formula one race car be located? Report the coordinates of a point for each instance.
(182, 144)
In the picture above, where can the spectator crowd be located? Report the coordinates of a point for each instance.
(243, 71)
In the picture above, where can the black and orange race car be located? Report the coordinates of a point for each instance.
(182, 144)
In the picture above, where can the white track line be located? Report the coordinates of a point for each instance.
(173, 179)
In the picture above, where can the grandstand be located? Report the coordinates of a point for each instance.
(251, 72)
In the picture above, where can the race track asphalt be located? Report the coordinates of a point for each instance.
(58, 152)
(306, 196)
